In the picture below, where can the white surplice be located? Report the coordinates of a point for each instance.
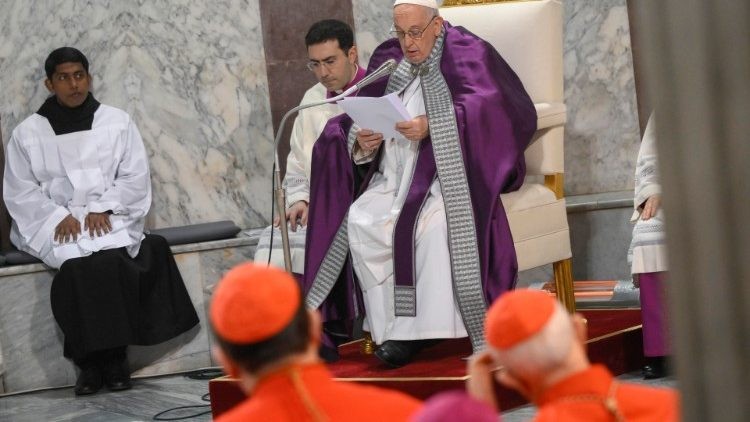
(48, 177)
(307, 128)
(372, 218)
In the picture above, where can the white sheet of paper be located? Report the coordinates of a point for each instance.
(379, 114)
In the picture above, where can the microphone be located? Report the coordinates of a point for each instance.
(385, 69)
(280, 194)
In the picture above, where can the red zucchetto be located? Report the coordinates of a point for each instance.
(252, 303)
(516, 316)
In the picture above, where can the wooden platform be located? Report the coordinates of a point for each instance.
(615, 340)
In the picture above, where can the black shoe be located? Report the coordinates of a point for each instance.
(89, 380)
(116, 374)
(397, 353)
(328, 354)
(655, 368)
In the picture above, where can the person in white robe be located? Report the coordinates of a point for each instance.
(371, 220)
(333, 61)
(77, 186)
(648, 255)
(50, 178)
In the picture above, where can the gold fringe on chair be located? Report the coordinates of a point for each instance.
(449, 3)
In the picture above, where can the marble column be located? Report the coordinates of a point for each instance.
(698, 62)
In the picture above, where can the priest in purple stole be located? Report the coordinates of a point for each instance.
(419, 243)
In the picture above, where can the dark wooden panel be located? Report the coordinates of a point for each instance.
(284, 25)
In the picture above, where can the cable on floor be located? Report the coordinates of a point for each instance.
(203, 374)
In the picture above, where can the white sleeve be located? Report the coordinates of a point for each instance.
(295, 180)
(36, 215)
(130, 193)
(647, 167)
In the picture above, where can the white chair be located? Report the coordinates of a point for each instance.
(529, 36)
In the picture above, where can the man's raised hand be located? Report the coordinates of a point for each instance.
(369, 140)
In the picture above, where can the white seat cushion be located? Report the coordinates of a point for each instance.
(530, 195)
(539, 225)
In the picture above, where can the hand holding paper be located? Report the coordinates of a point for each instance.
(415, 129)
(379, 114)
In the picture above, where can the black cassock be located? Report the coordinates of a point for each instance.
(108, 299)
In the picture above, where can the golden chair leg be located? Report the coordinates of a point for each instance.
(564, 284)
(368, 346)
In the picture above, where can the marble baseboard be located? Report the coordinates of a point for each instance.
(32, 343)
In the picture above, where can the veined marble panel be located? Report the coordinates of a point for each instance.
(602, 135)
(191, 73)
(372, 23)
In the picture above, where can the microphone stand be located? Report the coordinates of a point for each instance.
(280, 191)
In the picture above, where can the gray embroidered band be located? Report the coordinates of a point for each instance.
(462, 236)
(330, 268)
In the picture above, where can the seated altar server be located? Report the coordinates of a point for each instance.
(333, 61)
(77, 186)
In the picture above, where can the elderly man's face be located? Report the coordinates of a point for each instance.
(417, 29)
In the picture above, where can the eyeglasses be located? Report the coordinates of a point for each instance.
(315, 65)
(415, 34)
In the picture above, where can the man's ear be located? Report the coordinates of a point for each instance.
(438, 25)
(353, 55)
(229, 366)
(48, 85)
(581, 326)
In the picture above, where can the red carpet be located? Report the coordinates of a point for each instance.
(615, 340)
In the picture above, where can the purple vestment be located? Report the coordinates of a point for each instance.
(495, 121)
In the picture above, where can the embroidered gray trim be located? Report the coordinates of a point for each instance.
(462, 236)
(405, 301)
(330, 268)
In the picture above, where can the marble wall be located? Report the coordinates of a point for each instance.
(194, 77)
(372, 23)
(602, 134)
(191, 73)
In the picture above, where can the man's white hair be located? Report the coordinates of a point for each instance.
(545, 350)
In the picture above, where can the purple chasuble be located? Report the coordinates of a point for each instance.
(495, 121)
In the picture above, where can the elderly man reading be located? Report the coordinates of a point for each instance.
(422, 244)
(78, 189)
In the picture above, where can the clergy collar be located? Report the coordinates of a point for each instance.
(358, 75)
(68, 120)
